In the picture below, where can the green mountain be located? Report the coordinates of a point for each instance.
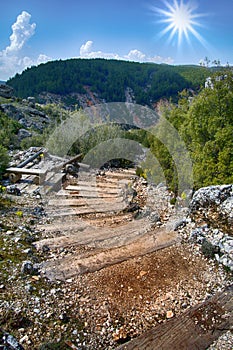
(87, 81)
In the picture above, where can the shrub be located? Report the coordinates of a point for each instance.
(4, 159)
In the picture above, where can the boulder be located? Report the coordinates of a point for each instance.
(23, 133)
(29, 268)
(10, 342)
(213, 205)
(6, 91)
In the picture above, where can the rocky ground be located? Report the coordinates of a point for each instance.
(106, 308)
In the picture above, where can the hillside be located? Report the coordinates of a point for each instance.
(87, 81)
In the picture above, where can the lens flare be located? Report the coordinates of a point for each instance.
(181, 19)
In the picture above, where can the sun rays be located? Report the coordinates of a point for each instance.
(180, 19)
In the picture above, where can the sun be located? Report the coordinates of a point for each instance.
(181, 20)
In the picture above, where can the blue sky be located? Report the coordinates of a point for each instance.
(160, 31)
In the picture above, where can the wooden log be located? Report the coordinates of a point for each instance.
(14, 177)
(131, 171)
(39, 173)
(84, 166)
(65, 227)
(97, 184)
(88, 196)
(27, 171)
(93, 189)
(69, 211)
(113, 180)
(120, 175)
(196, 329)
(67, 202)
(98, 237)
(30, 159)
(72, 160)
(77, 264)
(93, 194)
(75, 224)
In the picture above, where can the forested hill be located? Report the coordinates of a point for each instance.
(110, 80)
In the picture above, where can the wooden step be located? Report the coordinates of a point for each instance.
(77, 202)
(131, 171)
(114, 180)
(65, 227)
(69, 211)
(27, 171)
(93, 189)
(75, 223)
(110, 220)
(80, 263)
(93, 194)
(64, 194)
(120, 175)
(99, 237)
(98, 184)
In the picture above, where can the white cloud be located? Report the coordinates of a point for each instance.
(12, 59)
(133, 55)
(22, 30)
(86, 52)
(136, 55)
(86, 48)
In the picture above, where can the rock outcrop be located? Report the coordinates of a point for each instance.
(27, 116)
(211, 212)
(214, 206)
(6, 91)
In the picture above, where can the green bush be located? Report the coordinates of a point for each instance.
(4, 159)
(173, 201)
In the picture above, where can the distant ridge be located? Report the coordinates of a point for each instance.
(107, 80)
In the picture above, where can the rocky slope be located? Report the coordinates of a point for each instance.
(31, 119)
(27, 115)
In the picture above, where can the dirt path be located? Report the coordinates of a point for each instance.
(197, 328)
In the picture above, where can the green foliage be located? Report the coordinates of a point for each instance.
(205, 122)
(4, 160)
(96, 136)
(195, 76)
(33, 141)
(8, 131)
(109, 78)
(139, 172)
(173, 201)
(102, 144)
(2, 189)
(55, 112)
(208, 131)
